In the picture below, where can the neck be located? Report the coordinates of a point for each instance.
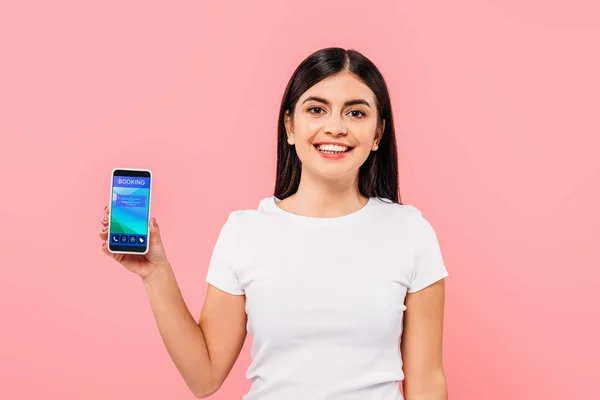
(323, 198)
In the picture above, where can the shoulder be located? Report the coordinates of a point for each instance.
(405, 219)
(406, 213)
(242, 219)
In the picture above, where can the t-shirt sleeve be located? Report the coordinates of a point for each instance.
(428, 263)
(221, 270)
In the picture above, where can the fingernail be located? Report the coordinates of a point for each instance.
(106, 208)
(104, 229)
(154, 222)
(105, 219)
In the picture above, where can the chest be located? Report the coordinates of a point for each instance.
(300, 285)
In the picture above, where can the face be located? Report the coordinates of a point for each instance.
(334, 126)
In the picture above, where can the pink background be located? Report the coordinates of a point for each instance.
(496, 104)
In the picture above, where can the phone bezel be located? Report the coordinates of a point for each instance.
(112, 177)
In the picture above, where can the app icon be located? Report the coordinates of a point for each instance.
(115, 238)
(141, 239)
(132, 239)
(123, 238)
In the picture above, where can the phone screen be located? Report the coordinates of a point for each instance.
(129, 211)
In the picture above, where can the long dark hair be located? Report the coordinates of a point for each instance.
(378, 176)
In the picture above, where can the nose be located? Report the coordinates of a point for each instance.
(336, 127)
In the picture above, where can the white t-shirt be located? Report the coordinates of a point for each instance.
(325, 296)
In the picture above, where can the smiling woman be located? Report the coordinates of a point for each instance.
(340, 285)
(337, 97)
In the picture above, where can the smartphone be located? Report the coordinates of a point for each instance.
(129, 211)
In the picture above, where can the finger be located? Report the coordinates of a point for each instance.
(105, 249)
(103, 233)
(117, 257)
(105, 217)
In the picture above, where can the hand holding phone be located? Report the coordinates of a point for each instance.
(128, 233)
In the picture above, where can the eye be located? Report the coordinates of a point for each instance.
(315, 110)
(357, 114)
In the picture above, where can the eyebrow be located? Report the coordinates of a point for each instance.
(347, 103)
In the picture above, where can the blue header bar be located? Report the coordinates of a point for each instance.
(131, 182)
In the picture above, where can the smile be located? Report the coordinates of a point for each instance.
(333, 150)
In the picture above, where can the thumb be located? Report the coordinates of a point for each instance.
(156, 249)
(154, 232)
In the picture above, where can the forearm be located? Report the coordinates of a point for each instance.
(428, 387)
(180, 333)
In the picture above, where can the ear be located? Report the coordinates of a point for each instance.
(289, 127)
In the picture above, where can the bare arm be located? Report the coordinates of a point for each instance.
(203, 352)
(421, 344)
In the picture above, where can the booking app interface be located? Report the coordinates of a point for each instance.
(130, 212)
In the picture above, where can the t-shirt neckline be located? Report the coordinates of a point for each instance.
(271, 203)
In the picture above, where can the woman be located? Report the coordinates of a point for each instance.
(339, 284)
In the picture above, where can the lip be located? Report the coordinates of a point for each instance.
(336, 143)
(333, 156)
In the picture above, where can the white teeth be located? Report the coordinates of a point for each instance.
(332, 147)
